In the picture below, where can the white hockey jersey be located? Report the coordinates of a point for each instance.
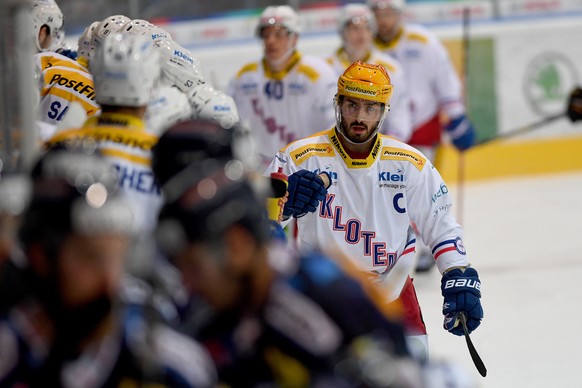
(125, 142)
(398, 122)
(62, 82)
(432, 81)
(285, 106)
(370, 206)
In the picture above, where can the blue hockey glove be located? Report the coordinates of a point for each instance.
(462, 291)
(462, 132)
(306, 190)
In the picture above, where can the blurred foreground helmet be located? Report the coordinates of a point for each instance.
(109, 26)
(167, 107)
(47, 13)
(207, 188)
(126, 69)
(279, 15)
(86, 44)
(356, 14)
(15, 190)
(208, 103)
(143, 27)
(179, 67)
(397, 5)
(73, 192)
(203, 143)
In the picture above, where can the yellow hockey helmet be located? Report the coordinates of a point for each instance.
(366, 81)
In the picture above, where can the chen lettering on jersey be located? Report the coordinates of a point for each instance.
(137, 179)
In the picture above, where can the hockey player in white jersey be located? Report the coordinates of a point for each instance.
(357, 28)
(379, 186)
(126, 71)
(435, 88)
(67, 93)
(286, 95)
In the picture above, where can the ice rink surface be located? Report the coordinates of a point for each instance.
(524, 236)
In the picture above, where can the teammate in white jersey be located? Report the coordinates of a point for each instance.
(435, 88)
(126, 71)
(379, 186)
(357, 27)
(286, 95)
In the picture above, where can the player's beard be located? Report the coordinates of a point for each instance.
(360, 136)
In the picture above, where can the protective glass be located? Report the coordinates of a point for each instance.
(367, 110)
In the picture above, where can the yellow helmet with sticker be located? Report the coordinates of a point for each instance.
(366, 81)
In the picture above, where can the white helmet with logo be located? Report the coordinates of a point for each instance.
(137, 27)
(167, 106)
(143, 27)
(356, 13)
(109, 26)
(47, 13)
(179, 67)
(279, 15)
(397, 5)
(126, 69)
(86, 44)
(208, 103)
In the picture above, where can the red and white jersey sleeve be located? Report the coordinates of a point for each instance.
(398, 122)
(432, 81)
(282, 107)
(371, 204)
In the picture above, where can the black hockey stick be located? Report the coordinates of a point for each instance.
(523, 129)
(472, 351)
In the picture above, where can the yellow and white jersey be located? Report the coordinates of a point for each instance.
(62, 82)
(285, 106)
(371, 204)
(432, 81)
(124, 141)
(398, 121)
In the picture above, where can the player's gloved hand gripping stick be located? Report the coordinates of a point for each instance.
(462, 309)
(306, 189)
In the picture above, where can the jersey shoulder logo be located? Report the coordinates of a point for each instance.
(393, 153)
(417, 36)
(249, 67)
(301, 154)
(308, 71)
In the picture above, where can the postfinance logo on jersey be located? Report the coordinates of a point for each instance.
(393, 153)
(301, 154)
(78, 86)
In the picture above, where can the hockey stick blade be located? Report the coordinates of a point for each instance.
(472, 351)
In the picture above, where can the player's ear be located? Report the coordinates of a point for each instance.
(240, 248)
